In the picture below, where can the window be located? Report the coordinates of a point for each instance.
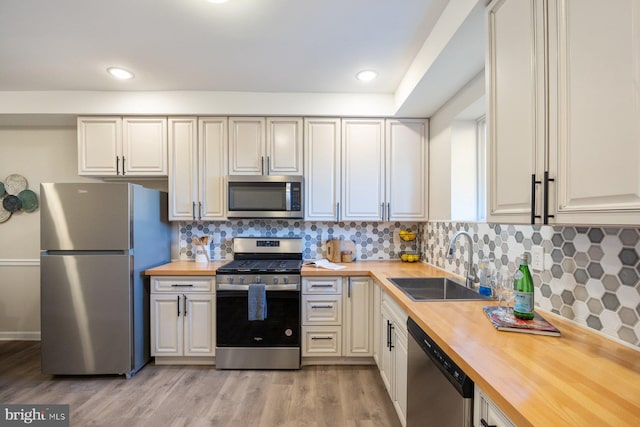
(468, 169)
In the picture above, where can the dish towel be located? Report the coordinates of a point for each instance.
(257, 301)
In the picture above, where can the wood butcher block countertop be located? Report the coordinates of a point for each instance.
(578, 379)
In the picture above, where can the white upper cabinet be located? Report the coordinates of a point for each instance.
(212, 158)
(362, 187)
(197, 170)
(516, 115)
(564, 111)
(406, 156)
(260, 146)
(322, 169)
(352, 172)
(594, 133)
(116, 146)
(144, 146)
(284, 146)
(246, 146)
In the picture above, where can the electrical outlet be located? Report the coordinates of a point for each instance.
(537, 258)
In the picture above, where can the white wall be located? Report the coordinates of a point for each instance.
(440, 155)
(40, 154)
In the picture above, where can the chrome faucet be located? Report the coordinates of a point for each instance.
(470, 277)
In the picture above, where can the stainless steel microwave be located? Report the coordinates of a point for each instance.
(270, 196)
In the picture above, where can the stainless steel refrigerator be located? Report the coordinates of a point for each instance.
(96, 241)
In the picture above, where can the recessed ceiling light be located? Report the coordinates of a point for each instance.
(366, 75)
(120, 73)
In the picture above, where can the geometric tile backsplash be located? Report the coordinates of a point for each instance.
(591, 274)
(374, 240)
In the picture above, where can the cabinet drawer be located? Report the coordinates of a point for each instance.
(321, 341)
(486, 410)
(322, 309)
(322, 285)
(181, 284)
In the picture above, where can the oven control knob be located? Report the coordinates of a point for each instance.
(230, 279)
(241, 279)
(275, 280)
(286, 279)
(258, 279)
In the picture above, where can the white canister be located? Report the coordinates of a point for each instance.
(201, 254)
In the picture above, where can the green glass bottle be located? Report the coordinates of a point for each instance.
(523, 291)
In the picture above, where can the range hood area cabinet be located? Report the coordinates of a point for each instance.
(563, 104)
(265, 146)
(122, 146)
(197, 168)
(365, 169)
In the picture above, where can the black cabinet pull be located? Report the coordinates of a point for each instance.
(185, 304)
(262, 165)
(321, 338)
(545, 206)
(193, 210)
(321, 306)
(123, 159)
(117, 165)
(533, 198)
(178, 303)
(181, 286)
(485, 424)
(391, 328)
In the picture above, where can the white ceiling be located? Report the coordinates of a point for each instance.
(257, 46)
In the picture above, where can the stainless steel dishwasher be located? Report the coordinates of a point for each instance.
(439, 393)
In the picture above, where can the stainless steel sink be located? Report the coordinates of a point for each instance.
(435, 288)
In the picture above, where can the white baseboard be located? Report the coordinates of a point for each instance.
(6, 262)
(19, 336)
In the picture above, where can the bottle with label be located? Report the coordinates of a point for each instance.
(523, 287)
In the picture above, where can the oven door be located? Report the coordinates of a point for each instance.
(281, 327)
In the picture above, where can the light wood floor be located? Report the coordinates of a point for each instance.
(202, 396)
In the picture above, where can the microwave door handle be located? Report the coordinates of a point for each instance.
(287, 196)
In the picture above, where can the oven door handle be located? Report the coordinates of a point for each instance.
(284, 287)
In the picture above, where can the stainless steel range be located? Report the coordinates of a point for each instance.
(258, 305)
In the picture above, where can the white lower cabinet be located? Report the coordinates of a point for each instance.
(182, 320)
(321, 317)
(358, 318)
(337, 317)
(486, 413)
(393, 353)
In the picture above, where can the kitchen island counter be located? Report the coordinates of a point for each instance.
(578, 379)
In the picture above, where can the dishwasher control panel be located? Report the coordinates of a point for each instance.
(448, 367)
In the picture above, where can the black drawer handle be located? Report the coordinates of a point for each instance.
(321, 338)
(181, 286)
(485, 424)
(321, 306)
(322, 286)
